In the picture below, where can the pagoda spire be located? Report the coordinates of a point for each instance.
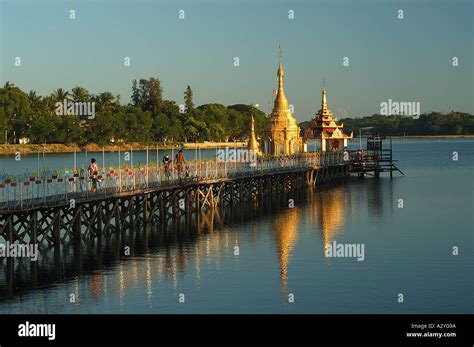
(280, 72)
(281, 133)
(280, 75)
(281, 102)
(324, 103)
(253, 143)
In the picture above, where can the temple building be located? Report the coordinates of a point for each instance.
(326, 128)
(281, 134)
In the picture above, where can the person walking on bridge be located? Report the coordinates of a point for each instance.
(92, 170)
(166, 163)
(180, 162)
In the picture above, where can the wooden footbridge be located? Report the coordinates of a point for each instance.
(51, 210)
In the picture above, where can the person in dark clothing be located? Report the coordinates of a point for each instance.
(92, 170)
(166, 163)
(180, 162)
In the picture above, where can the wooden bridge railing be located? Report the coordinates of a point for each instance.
(20, 193)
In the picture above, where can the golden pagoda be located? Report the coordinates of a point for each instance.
(252, 145)
(326, 128)
(281, 133)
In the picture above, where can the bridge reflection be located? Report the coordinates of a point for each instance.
(167, 252)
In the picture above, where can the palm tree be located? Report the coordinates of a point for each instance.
(35, 101)
(80, 94)
(48, 104)
(105, 101)
(8, 85)
(59, 95)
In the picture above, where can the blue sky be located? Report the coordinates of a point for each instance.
(406, 59)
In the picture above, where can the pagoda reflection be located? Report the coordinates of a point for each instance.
(168, 254)
(327, 212)
(285, 226)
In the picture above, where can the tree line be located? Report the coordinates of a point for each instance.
(434, 123)
(148, 118)
(151, 119)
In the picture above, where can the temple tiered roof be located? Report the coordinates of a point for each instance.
(324, 125)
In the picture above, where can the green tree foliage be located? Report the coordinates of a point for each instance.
(148, 94)
(69, 130)
(103, 127)
(245, 111)
(434, 123)
(138, 124)
(17, 113)
(149, 118)
(44, 129)
(104, 102)
(3, 122)
(59, 95)
(80, 94)
(188, 100)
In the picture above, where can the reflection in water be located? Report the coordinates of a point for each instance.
(327, 211)
(168, 252)
(374, 198)
(286, 226)
(95, 285)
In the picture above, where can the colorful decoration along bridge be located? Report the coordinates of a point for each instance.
(51, 210)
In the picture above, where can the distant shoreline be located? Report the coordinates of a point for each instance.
(61, 148)
(433, 137)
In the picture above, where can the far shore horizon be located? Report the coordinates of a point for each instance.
(12, 149)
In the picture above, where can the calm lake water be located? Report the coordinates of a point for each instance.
(408, 250)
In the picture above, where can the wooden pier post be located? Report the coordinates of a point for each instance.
(100, 213)
(33, 226)
(145, 209)
(57, 228)
(77, 224)
(8, 229)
